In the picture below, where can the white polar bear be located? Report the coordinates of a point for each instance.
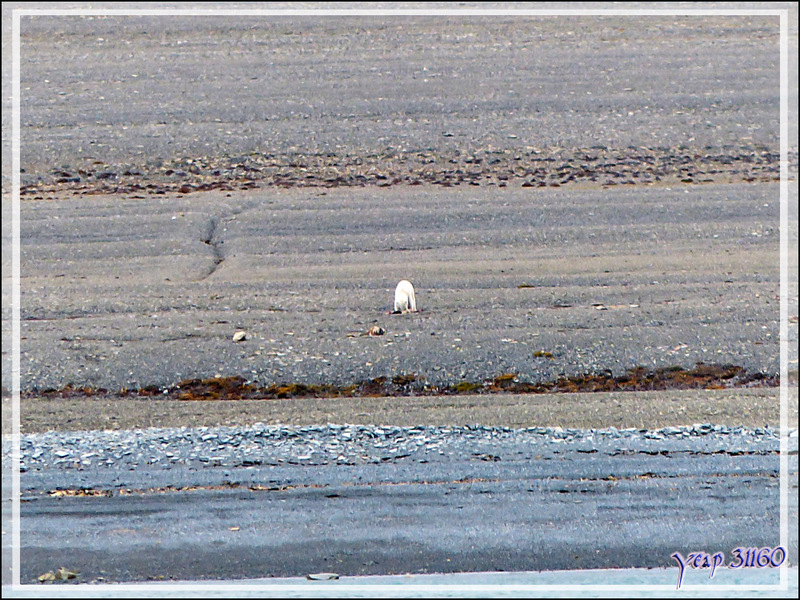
(404, 299)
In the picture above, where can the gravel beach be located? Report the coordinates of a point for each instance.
(311, 445)
(569, 196)
(125, 293)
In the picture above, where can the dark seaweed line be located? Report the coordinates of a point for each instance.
(702, 376)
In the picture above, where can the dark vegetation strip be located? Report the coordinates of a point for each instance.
(702, 376)
(527, 167)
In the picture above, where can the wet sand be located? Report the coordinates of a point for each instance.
(641, 410)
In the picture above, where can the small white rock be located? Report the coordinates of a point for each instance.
(322, 576)
(239, 336)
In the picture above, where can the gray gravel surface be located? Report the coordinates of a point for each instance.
(105, 95)
(129, 293)
(661, 133)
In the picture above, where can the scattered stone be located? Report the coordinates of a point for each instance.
(260, 444)
(65, 574)
(239, 336)
(531, 168)
(322, 576)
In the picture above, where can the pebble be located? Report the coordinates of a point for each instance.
(354, 444)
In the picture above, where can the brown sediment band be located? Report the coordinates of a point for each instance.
(530, 168)
(702, 376)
